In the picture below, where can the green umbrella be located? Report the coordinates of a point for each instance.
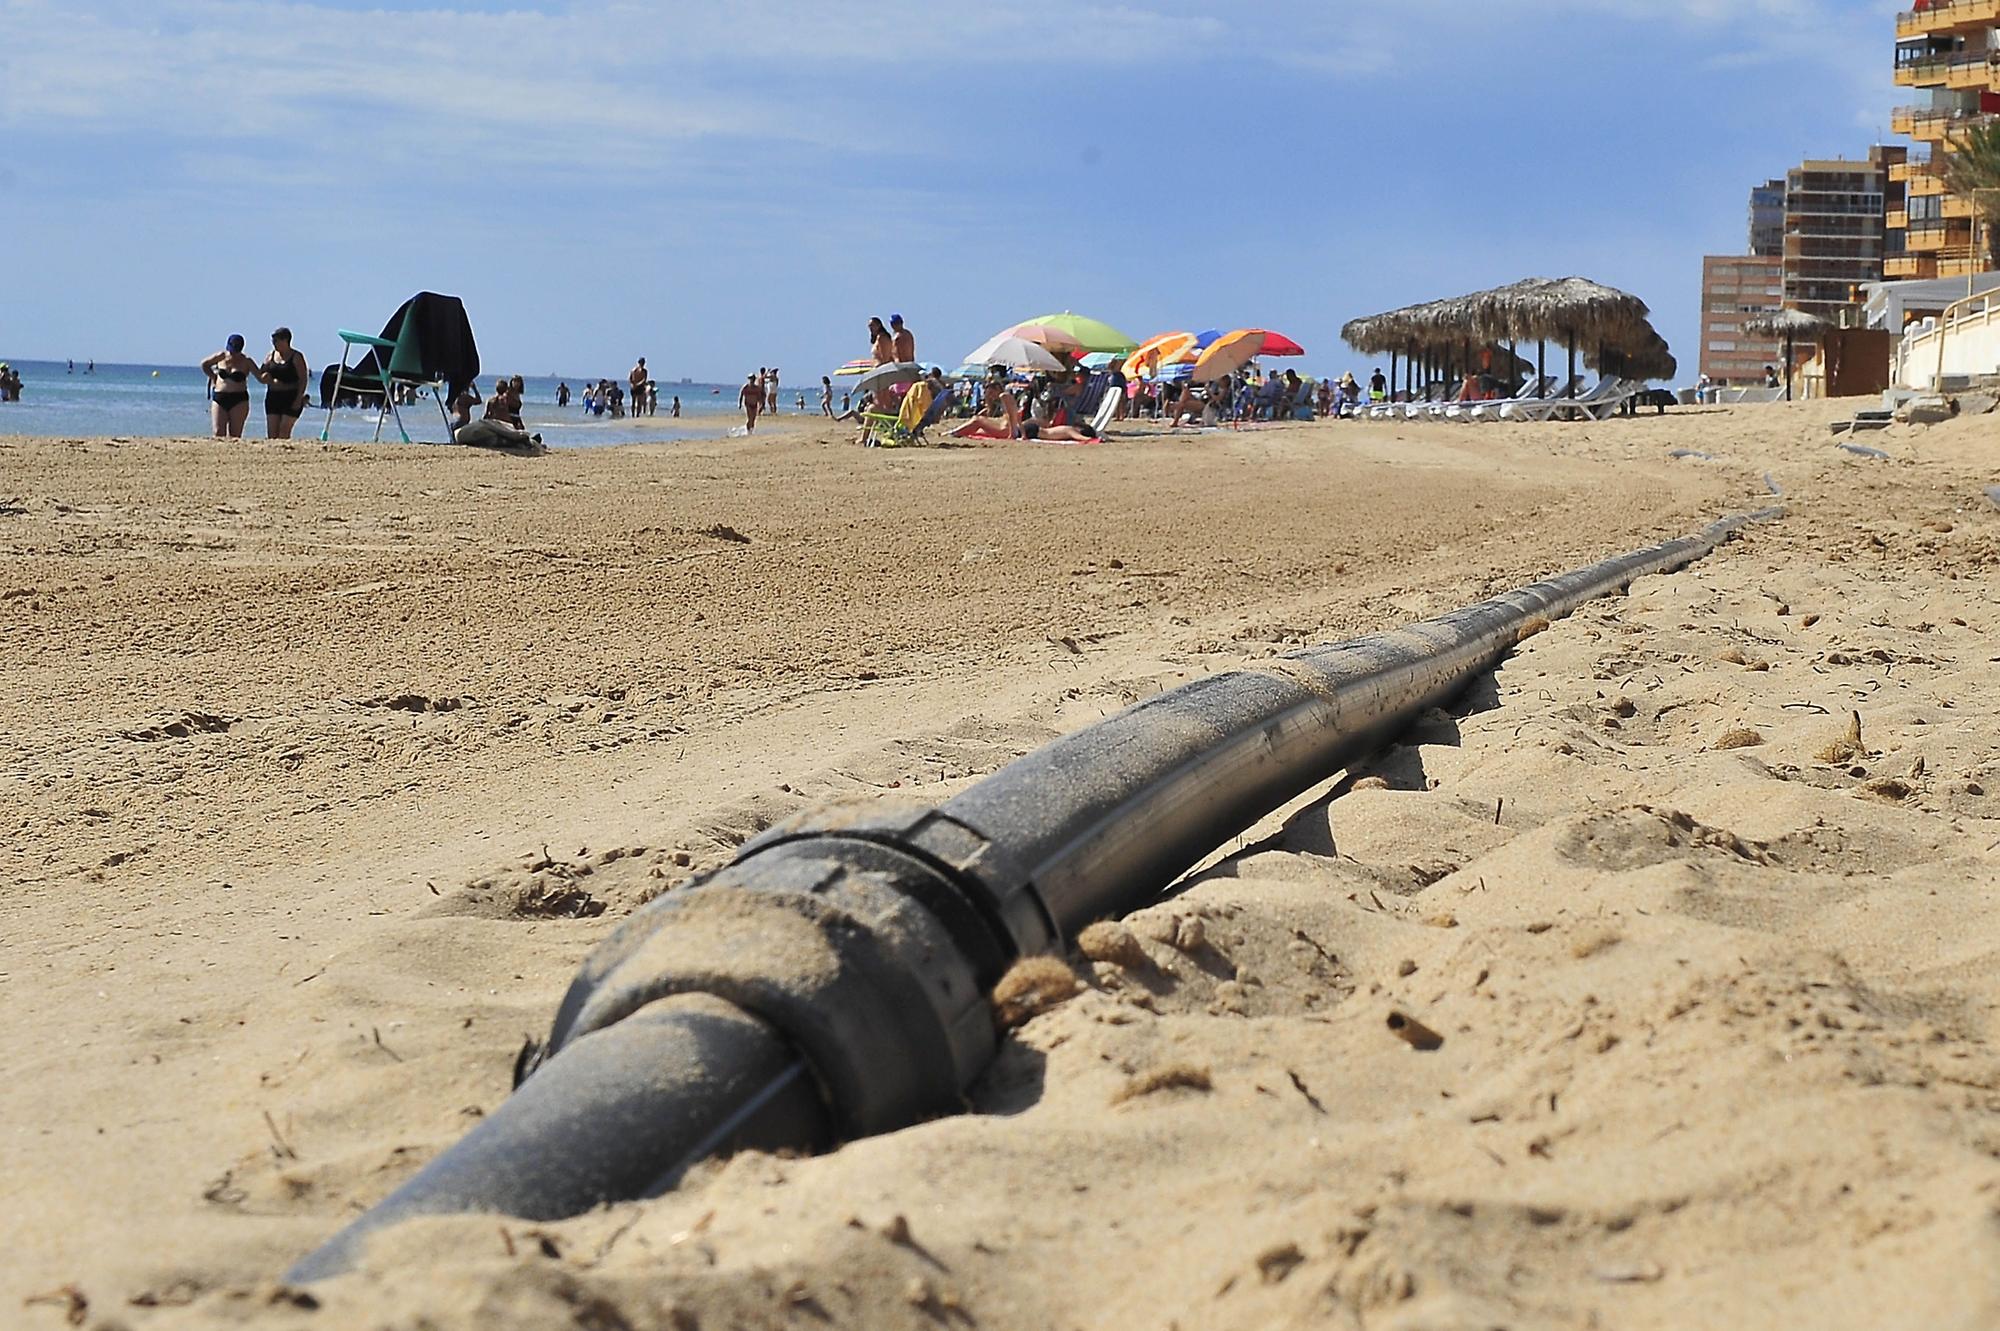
(1094, 334)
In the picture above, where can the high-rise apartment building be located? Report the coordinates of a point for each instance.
(1835, 229)
(1734, 287)
(1767, 219)
(1950, 53)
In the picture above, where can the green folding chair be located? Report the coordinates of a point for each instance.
(400, 362)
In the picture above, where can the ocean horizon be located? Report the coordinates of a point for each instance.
(138, 401)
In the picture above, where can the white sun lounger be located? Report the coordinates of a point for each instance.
(1490, 411)
(1549, 407)
(1473, 411)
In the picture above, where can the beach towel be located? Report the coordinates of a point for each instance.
(915, 403)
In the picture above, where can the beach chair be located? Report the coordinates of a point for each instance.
(911, 435)
(426, 346)
(919, 412)
(1610, 403)
(1549, 408)
(1534, 390)
(1107, 408)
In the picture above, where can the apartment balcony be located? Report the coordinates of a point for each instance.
(1955, 206)
(1923, 187)
(1958, 265)
(1947, 17)
(1914, 170)
(1938, 237)
(1977, 69)
(1896, 220)
(1910, 265)
(1928, 126)
(1925, 74)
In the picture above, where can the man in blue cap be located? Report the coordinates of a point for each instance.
(905, 340)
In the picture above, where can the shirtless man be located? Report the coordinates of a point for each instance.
(904, 340)
(638, 381)
(751, 395)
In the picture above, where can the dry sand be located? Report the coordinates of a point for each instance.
(325, 766)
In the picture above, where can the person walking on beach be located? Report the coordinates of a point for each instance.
(285, 376)
(1378, 386)
(752, 397)
(229, 372)
(771, 395)
(903, 340)
(677, 405)
(825, 395)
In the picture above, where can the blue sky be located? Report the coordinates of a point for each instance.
(730, 185)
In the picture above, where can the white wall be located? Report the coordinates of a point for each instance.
(1971, 347)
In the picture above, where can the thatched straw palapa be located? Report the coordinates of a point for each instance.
(1572, 310)
(1792, 325)
(1789, 324)
(1651, 361)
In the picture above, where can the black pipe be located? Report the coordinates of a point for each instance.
(842, 961)
(623, 1113)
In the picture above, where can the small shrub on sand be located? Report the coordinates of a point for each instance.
(1742, 737)
(1172, 1077)
(1847, 747)
(1031, 987)
(1110, 941)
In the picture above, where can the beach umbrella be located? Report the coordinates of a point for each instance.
(1575, 311)
(1094, 334)
(862, 366)
(1159, 350)
(1013, 352)
(1228, 354)
(1650, 361)
(1230, 351)
(1049, 338)
(1277, 344)
(888, 376)
(1790, 325)
(1097, 360)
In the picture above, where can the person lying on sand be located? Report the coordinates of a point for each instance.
(1009, 425)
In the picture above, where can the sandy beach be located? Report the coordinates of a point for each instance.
(326, 765)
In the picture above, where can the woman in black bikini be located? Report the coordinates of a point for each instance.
(284, 374)
(229, 396)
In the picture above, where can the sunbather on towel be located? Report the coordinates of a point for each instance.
(1005, 423)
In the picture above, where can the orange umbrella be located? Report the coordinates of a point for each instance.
(862, 366)
(1159, 351)
(1232, 351)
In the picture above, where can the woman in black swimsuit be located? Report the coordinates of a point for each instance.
(229, 397)
(284, 374)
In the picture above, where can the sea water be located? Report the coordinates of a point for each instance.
(165, 401)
